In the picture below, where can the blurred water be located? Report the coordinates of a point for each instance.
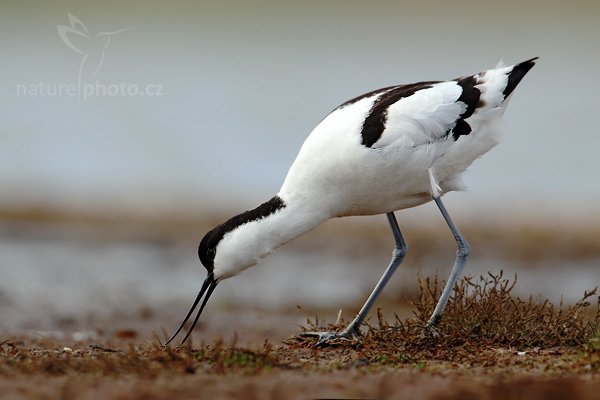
(73, 281)
(244, 83)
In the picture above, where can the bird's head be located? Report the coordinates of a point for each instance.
(227, 267)
(229, 249)
(206, 251)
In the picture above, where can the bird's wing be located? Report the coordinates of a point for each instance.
(414, 115)
(425, 112)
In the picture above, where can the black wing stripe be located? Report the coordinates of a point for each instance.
(374, 124)
(470, 97)
(363, 96)
(461, 128)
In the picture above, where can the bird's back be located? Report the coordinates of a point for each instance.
(372, 154)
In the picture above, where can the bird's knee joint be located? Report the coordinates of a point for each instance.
(400, 251)
(464, 248)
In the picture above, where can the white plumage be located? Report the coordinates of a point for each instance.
(387, 150)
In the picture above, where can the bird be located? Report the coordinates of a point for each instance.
(386, 150)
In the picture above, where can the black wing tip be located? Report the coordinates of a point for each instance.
(525, 66)
(517, 73)
(530, 61)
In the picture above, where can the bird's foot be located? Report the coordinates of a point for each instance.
(430, 331)
(328, 338)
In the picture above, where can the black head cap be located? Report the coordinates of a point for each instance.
(208, 245)
(208, 248)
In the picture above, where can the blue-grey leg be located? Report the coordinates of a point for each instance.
(462, 253)
(353, 329)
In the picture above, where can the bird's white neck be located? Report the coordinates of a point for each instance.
(269, 226)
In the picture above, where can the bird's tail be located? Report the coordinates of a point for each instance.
(496, 85)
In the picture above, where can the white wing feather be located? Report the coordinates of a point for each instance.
(424, 117)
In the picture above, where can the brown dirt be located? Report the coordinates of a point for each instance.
(490, 344)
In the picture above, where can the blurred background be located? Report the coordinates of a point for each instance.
(130, 129)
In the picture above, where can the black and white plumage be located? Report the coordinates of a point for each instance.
(389, 149)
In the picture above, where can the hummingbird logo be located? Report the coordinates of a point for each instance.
(92, 48)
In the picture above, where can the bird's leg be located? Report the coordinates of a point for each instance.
(353, 329)
(462, 253)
